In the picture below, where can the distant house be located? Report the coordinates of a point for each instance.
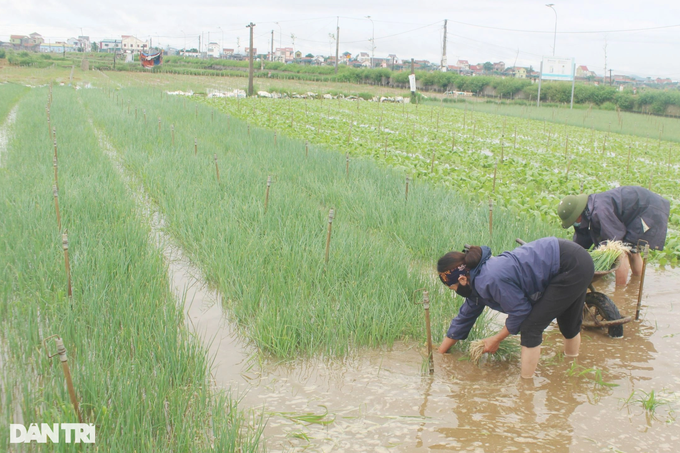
(663, 81)
(363, 57)
(283, 54)
(517, 72)
(57, 47)
(18, 40)
(214, 50)
(463, 64)
(110, 45)
(394, 60)
(227, 52)
(247, 51)
(132, 44)
(582, 71)
(477, 68)
(500, 66)
(34, 40)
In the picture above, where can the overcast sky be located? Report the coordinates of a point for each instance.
(637, 37)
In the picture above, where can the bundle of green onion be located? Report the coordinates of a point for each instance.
(605, 256)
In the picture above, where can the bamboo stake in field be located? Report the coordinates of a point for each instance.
(64, 245)
(55, 149)
(55, 192)
(56, 178)
(568, 167)
(61, 351)
(628, 166)
(432, 162)
(645, 253)
(331, 214)
(195, 146)
(566, 146)
(426, 308)
(495, 170)
(347, 164)
(502, 148)
(407, 181)
(453, 141)
(306, 149)
(217, 169)
(274, 138)
(266, 193)
(385, 150)
(490, 218)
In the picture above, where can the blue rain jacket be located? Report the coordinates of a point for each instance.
(510, 283)
(627, 214)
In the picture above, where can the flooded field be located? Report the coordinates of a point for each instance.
(380, 401)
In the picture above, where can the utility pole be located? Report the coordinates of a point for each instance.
(272, 55)
(445, 64)
(199, 46)
(337, 45)
(610, 77)
(250, 60)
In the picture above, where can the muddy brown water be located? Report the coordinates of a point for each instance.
(380, 401)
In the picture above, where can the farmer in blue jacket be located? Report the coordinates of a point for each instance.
(627, 214)
(540, 281)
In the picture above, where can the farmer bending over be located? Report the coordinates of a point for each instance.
(626, 214)
(533, 284)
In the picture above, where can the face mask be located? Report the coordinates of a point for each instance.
(464, 291)
(577, 224)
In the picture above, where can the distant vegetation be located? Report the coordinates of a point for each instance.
(646, 100)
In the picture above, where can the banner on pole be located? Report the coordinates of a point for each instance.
(412, 82)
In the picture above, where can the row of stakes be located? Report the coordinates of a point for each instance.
(58, 341)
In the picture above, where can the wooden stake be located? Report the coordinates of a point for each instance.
(347, 164)
(195, 146)
(568, 166)
(426, 307)
(274, 138)
(54, 164)
(55, 149)
(217, 169)
(266, 194)
(453, 141)
(495, 169)
(407, 181)
(64, 245)
(628, 166)
(55, 192)
(331, 214)
(61, 351)
(306, 149)
(645, 252)
(490, 217)
(432, 162)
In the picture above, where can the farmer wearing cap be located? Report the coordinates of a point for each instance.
(543, 280)
(626, 214)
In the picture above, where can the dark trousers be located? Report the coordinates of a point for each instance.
(564, 297)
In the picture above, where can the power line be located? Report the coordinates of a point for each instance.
(629, 30)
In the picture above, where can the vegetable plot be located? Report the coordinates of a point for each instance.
(524, 165)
